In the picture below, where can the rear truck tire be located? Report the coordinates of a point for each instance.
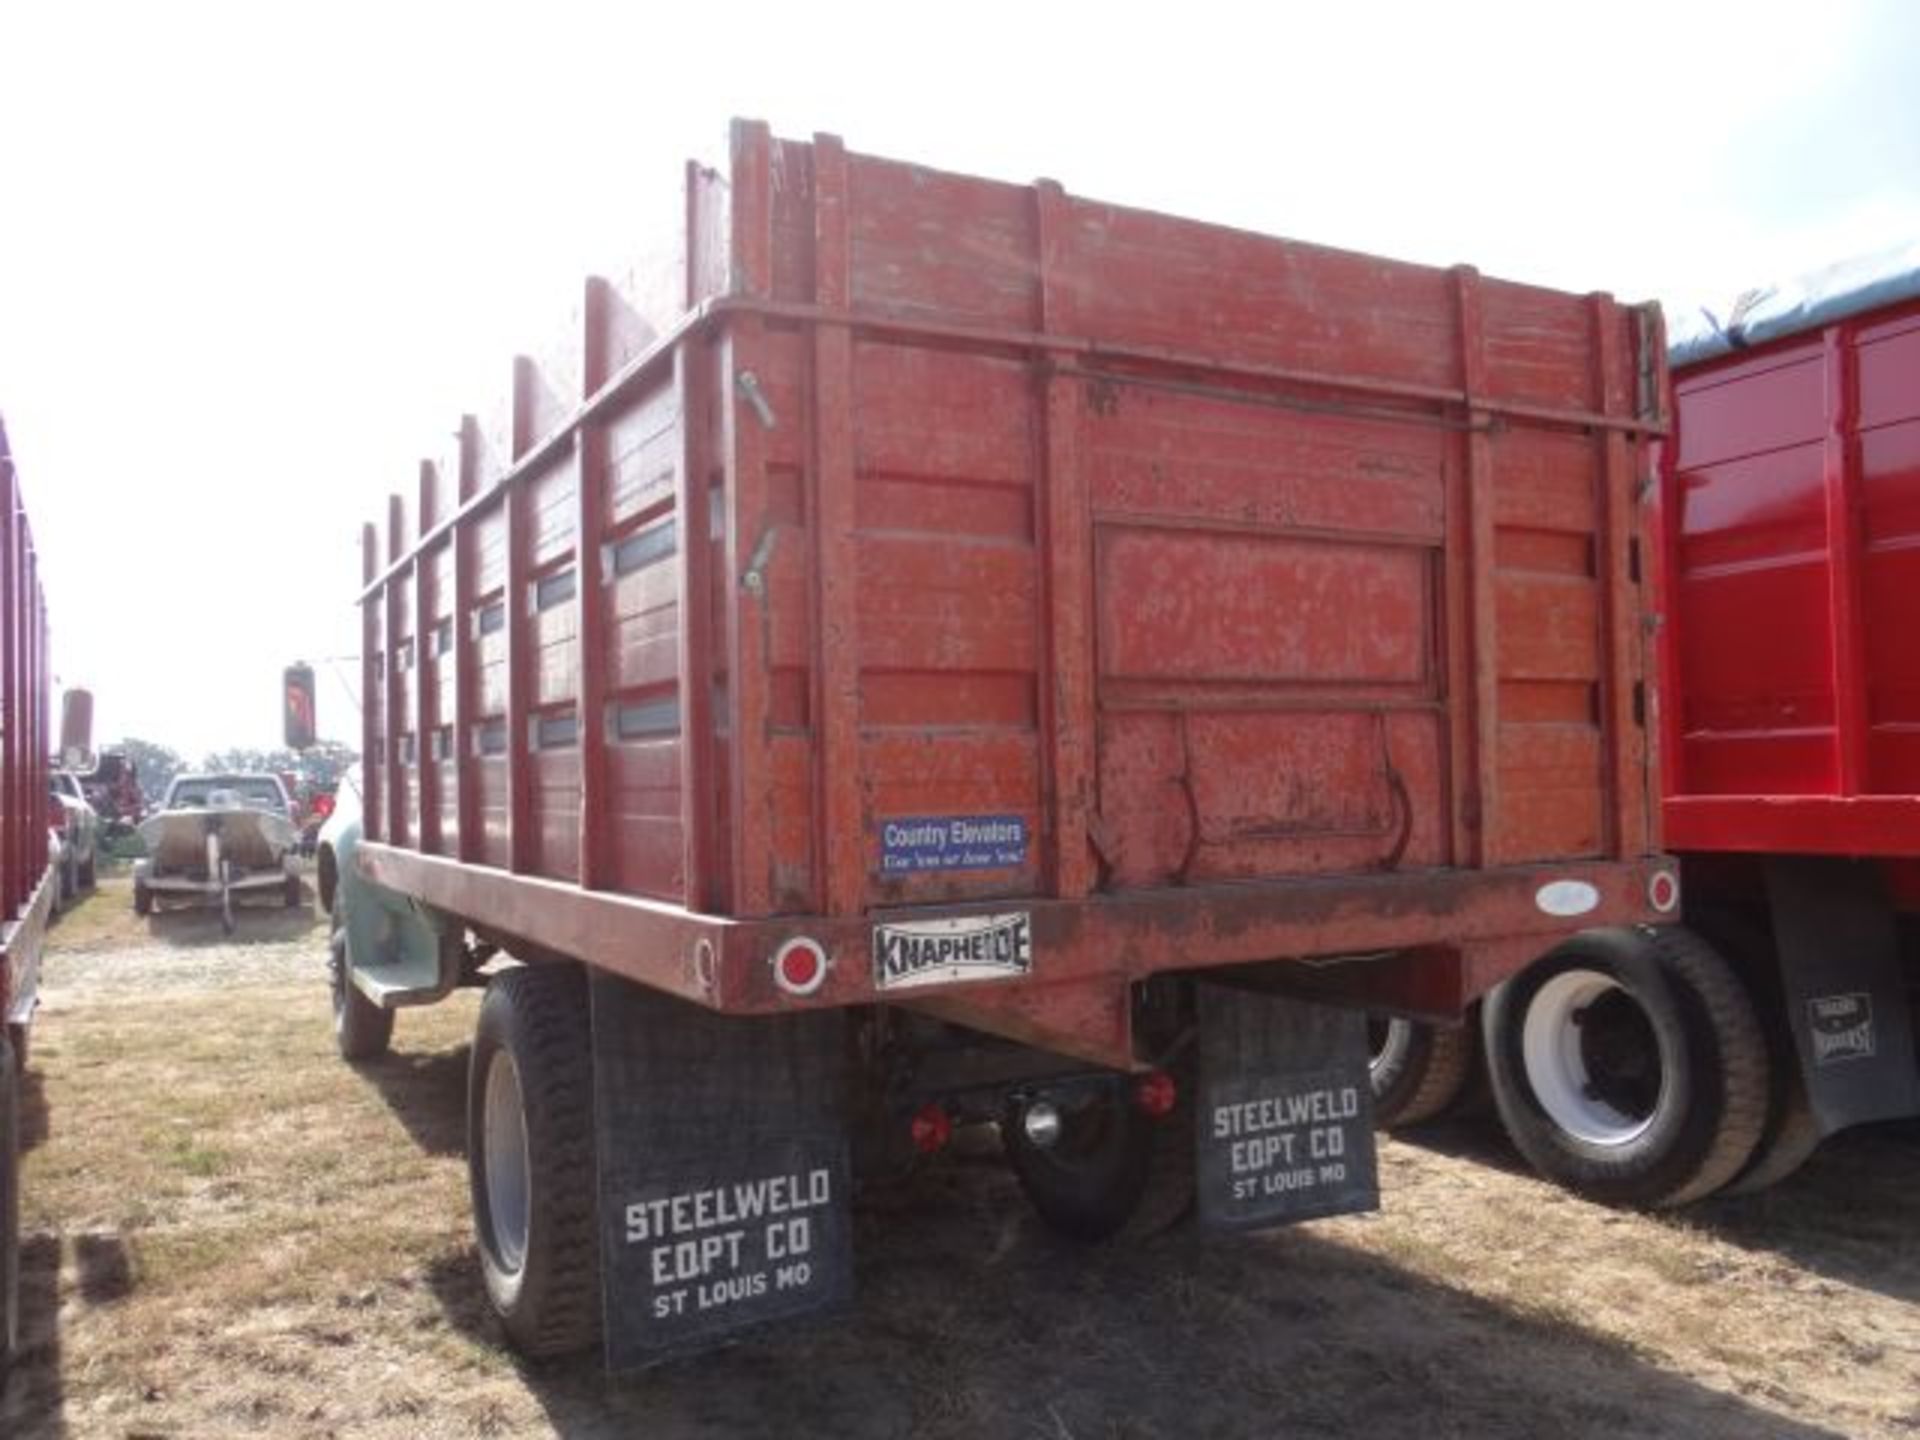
(1115, 1173)
(1417, 1071)
(530, 1158)
(1792, 1135)
(142, 898)
(1792, 1131)
(9, 1207)
(361, 1029)
(1630, 1067)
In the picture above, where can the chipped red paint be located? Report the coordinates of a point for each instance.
(1283, 596)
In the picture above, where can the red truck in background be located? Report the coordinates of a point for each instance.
(954, 650)
(1789, 524)
(28, 884)
(1786, 547)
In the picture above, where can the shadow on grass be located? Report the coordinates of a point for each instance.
(1847, 1215)
(105, 1267)
(259, 921)
(1478, 1138)
(33, 1406)
(427, 1094)
(972, 1320)
(36, 1123)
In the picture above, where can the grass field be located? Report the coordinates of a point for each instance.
(230, 1232)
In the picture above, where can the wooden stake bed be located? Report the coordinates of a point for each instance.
(1017, 596)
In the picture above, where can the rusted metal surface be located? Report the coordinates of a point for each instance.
(1147, 558)
(1791, 565)
(1087, 953)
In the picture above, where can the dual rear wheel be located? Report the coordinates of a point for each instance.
(1628, 1065)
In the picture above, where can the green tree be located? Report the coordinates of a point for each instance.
(154, 765)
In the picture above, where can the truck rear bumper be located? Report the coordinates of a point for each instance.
(239, 885)
(1058, 972)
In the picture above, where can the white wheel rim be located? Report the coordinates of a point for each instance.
(1393, 1037)
(1553, 1052)
(507, 1167)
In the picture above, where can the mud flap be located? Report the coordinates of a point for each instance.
(1842, 989)
(725, 1191)
(1285, 1118)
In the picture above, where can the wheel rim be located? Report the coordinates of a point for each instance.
(507, 1167)
(1592, 1058)
(1384, 1037)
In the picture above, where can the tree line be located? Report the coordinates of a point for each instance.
(319, 767)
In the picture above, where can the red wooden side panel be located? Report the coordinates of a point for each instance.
(1552, 780)
(1176, 552)
(439, 675)
(947, 594)
(1267, 638)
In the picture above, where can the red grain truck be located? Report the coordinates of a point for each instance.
(955, 650)
(1790, 557)
(1787, 550)
(28, 883)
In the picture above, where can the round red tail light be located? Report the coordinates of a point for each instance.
(1156, 1094)
(800, 966)
(1663, 891)
(932, 1129)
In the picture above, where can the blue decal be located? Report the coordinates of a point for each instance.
(952, 842)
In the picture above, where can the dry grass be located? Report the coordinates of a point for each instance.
(232, 1233)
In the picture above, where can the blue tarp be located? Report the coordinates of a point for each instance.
(1696, 333)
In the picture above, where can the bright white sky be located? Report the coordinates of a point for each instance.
(255, 260)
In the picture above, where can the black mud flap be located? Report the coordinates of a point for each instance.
(1285, 1118)
(1841, 986)
(725, 1191)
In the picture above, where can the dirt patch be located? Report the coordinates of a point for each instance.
(230, 1232)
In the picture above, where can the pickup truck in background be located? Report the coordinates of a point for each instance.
(79, 830)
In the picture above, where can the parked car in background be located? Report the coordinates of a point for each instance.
(79, 831)
(217, 837)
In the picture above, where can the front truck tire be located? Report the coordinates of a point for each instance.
(530, 1158)
(1114, 1173)
(9, 1206)
(1630, 1067)
(361, 1029)
(1417, 1071)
